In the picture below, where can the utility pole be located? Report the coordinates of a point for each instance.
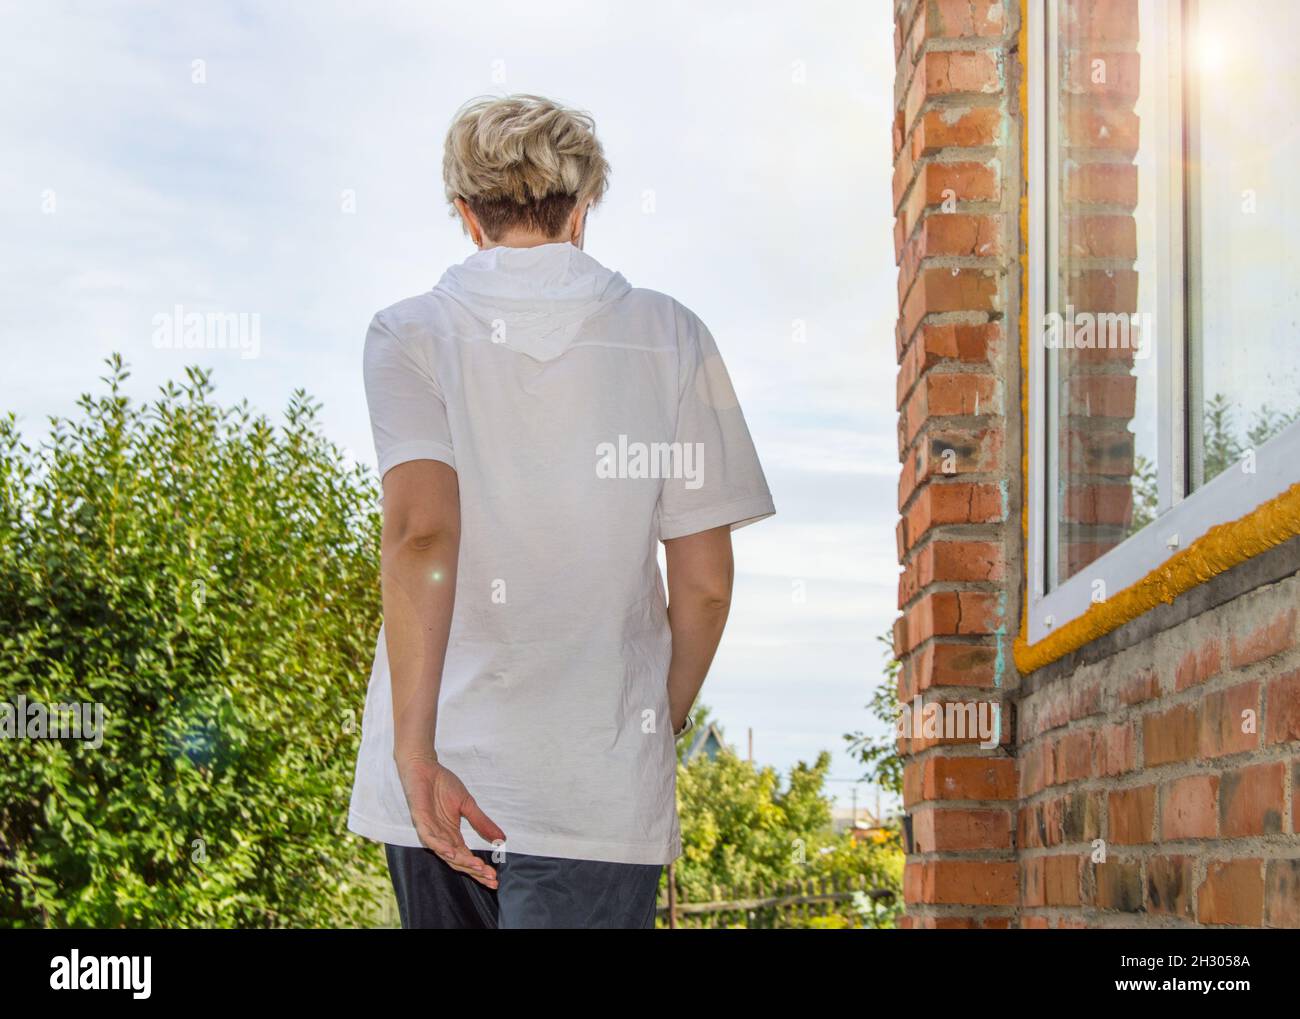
(751, 744)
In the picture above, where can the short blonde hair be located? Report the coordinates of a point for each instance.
(523, 161)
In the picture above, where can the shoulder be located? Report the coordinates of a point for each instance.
(658, 303)
(409, 319)
(400, 337)
(669, 316)
(410, 329)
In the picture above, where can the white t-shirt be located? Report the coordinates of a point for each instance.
(586, 421)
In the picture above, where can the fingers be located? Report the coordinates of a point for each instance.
(471, 866)
(486, 880)
(451, 849)
(467, 863)
(480, 822)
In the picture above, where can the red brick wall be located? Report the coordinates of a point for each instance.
(1140, 754)
(956, 144)
(1179, 757)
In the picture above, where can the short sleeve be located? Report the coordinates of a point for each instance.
(728, 486)
(408, 414)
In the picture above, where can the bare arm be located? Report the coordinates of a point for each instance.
(700, 574)
(419, 551)
(420, 546)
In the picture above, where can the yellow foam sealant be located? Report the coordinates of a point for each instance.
(1218, 550)
(1023, 48)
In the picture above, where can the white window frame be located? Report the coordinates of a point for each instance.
(1182, 517)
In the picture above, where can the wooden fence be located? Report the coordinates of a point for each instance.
(791, 905)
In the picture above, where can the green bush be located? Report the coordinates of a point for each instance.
(744, 834)
(211, 580)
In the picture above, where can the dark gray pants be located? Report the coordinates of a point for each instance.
(532, 891)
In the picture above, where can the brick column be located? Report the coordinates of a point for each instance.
(957, 143)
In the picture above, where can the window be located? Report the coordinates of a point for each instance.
(1164, 284)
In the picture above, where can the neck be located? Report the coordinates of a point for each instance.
(521, 240)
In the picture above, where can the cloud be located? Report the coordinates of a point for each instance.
(761, 131)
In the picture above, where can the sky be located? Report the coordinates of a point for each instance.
(283, 160)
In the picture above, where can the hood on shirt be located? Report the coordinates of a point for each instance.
(535, 300)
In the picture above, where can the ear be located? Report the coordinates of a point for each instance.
(578, 224)
(472, 226)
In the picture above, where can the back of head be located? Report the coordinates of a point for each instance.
(523, 162)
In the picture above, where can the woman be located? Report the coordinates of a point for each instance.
(540, 426)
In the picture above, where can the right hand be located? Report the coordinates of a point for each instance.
(438, 799)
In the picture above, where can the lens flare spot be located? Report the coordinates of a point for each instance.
(1211, 53)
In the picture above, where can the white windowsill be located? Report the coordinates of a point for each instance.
(1227, 497)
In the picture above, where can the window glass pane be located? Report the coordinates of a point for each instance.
(1244, 251)
(1109, 181)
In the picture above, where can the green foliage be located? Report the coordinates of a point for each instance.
(1146, 494)
(880, 753)
(1223, 446)
(211, 580)
(742, 829)
(1268, 422)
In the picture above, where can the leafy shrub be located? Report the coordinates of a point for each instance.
(743, 834)
(880, 752)
(211, 580)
